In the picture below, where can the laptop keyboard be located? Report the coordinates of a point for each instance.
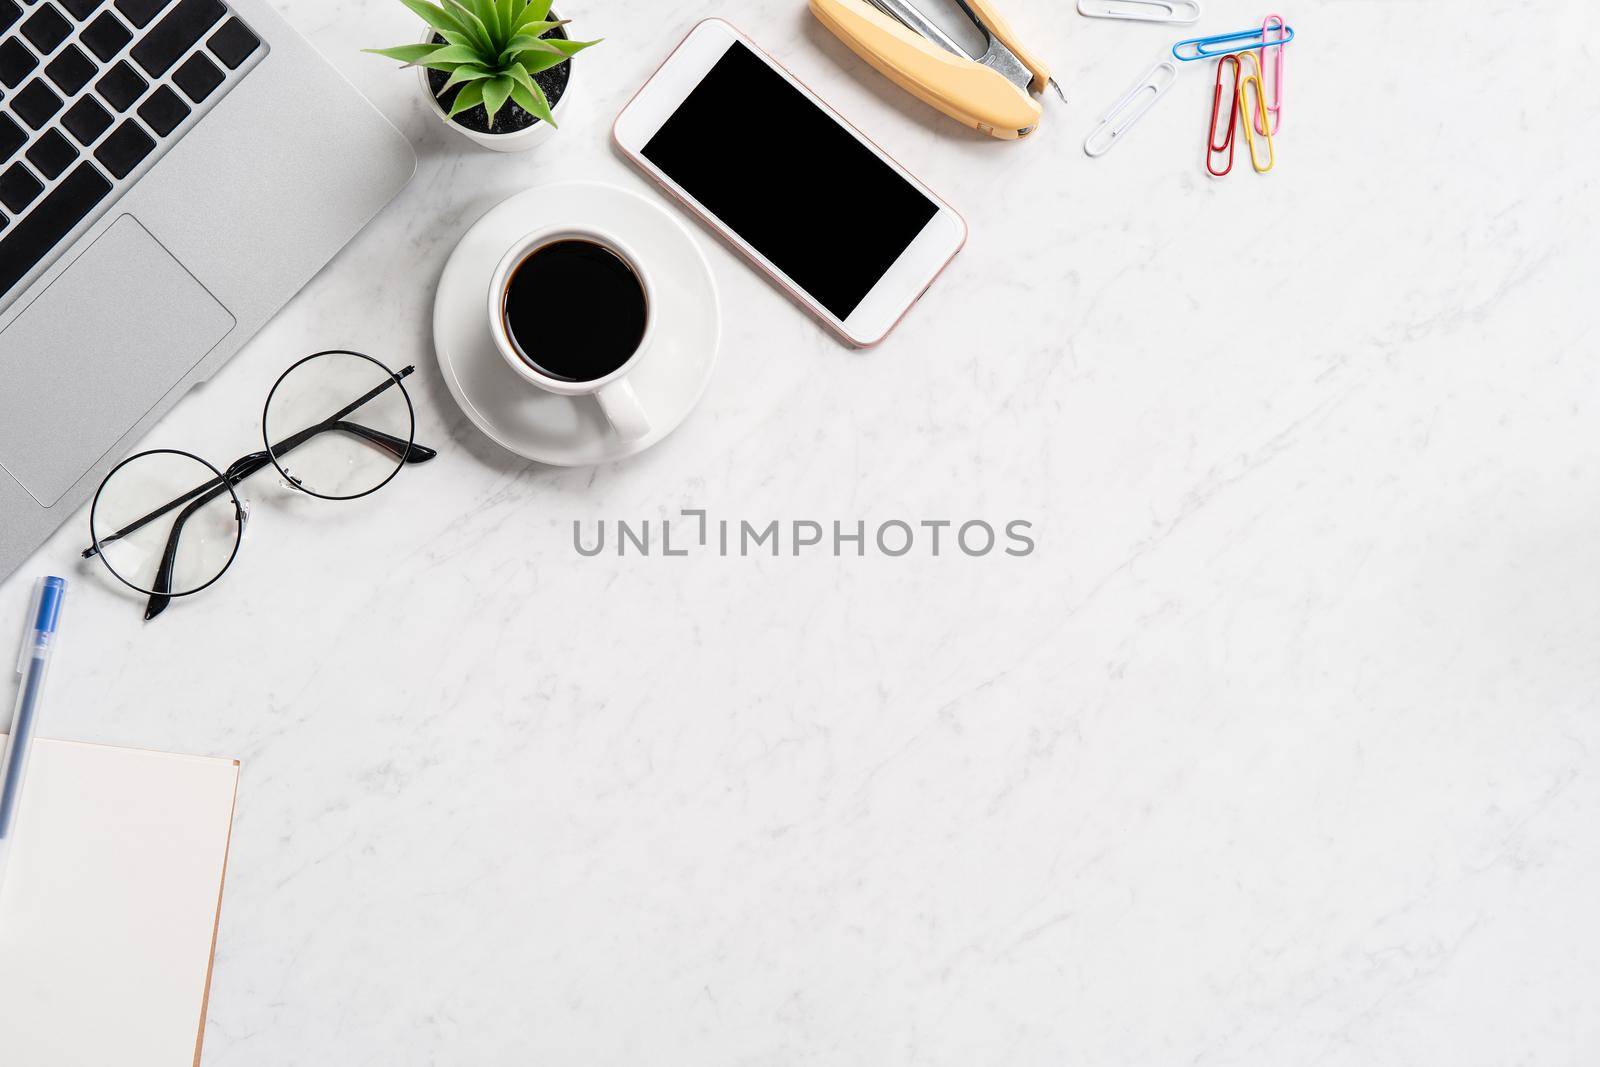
(92, 92)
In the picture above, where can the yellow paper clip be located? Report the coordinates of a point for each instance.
(1261, 107)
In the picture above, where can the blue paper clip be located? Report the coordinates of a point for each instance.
(1243, 41)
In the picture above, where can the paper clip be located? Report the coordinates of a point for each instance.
(1175, 11)
(1223, 43)
(1273, 24)
(1227, 145)
(1130, 109)
(1261, 106)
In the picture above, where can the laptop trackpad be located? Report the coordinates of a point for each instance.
(91, 356)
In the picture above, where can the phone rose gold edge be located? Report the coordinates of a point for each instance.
(728, 237)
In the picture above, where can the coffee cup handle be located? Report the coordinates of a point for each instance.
(621, 405)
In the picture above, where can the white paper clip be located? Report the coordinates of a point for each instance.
(1173, 11)
(1131, 108)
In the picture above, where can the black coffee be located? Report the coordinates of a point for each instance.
(575, 310)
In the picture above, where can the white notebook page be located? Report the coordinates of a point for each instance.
(109, 907)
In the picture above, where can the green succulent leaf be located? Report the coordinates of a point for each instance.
(474, 13)
(470, 96)
(511, 57)
(524, 43)
(496, 91)
(489, 12)
(507, 10)
(471, 24)
(453, 53)
(405, 53)
(536, 11)
(467, 72)
(538, 29)
(566, 47)
(534, 102)
(534, 62)
(520, 76)
(434, 15)
(523, 97)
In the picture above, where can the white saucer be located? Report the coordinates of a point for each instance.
(570, 431)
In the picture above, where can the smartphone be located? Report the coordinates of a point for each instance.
(824, 212)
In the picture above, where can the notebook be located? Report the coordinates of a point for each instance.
(110, 905)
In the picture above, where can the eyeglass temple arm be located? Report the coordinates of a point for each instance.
(399, 447)
(250, 464)
(241, 469)
(160, 597)
(408, 451)
(209, 487)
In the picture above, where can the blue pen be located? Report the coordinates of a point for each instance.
(38, 640)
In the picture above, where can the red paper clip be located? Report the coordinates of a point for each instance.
(1212, 147)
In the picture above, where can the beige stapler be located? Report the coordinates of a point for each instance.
(992, 92)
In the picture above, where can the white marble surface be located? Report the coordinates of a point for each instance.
(1279, 750)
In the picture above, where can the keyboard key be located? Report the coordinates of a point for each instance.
(81, 9)
(46, 28)
(121, 86)
(123, 150)
(233, 43)
(197, 77)
(178, 29)
(12, 137)
(36, 103)
(9, 14)
(86, 120)
(71, 70)
(16, 62)
(52, 155)
(140, 12)
(105, 36)
(53, 218)
(163, 111)
(19, 188)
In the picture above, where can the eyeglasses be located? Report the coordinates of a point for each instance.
(334, 457)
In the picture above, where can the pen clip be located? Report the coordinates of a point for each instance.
(44, 613)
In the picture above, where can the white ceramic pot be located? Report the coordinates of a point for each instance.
(520, 141)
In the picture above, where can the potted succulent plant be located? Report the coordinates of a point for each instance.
(496, 71)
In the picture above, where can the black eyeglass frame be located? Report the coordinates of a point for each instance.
(407, 451)
(411, 413)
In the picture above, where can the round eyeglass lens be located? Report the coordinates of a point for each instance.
(166, 523)
(338, 425)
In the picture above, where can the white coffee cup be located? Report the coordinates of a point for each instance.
(614, 392)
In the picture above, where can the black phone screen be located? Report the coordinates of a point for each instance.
(784, 175)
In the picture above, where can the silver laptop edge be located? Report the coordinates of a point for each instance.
(226, 226)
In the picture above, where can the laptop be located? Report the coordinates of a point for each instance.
(171, 173)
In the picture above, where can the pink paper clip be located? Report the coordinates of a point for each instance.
(1272, 85)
